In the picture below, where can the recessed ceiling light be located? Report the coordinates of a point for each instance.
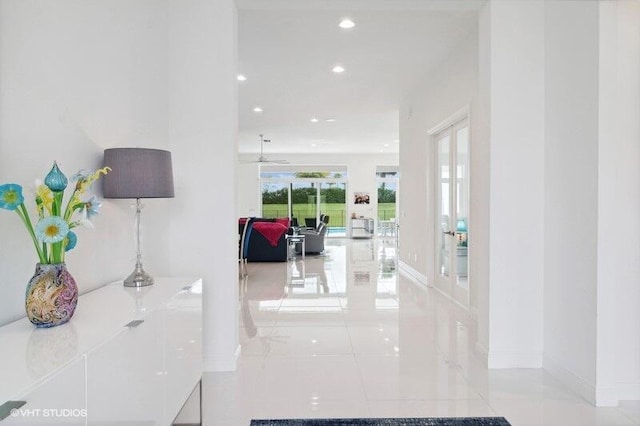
(257, 109)
(396, 140)
(386, 144)
(382, 150)
(241, 77)
(346, 24)
(314, 120)
(330, 120)
(338, 69)
(314, 145)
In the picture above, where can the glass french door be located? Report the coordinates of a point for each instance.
(452, 214)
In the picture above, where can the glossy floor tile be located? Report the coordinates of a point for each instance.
(345, 335)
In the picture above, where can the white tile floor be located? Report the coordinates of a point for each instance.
(345, 335)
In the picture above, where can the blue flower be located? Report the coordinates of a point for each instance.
(72, 240)
(11, 196)
(93, 207)
(52, 229)
(56, 180)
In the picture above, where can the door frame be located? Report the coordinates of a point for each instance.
(450, 123)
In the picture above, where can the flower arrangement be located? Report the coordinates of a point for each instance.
(52, 235)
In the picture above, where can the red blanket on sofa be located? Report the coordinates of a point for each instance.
(271, 231)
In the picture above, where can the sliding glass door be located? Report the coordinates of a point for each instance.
(333, 203)
(275, 199)
(304, 203)
(387, 179)
(305, 194)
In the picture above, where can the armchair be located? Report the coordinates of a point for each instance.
(314, 239)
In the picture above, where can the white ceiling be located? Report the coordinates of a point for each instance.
(287, 54)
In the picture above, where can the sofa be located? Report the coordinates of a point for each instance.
(264, 239)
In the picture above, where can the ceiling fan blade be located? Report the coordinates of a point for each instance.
(262, 159)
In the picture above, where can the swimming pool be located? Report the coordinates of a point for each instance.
(337, 230)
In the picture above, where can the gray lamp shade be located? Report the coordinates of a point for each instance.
(138, 173)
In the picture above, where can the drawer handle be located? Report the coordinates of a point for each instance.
(134, 323)
(8, 407)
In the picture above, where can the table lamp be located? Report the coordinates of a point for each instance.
(138, 173)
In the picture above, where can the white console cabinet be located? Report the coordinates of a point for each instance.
(362, 227)
(102, 369)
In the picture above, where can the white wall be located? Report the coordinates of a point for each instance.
(361, 169)
(452, 87)
(498, 72)
(571, 195)
(625, 328)
(592, 300)
(618, 304)
(77, 77)
(537, 159)
(203, 102)
(516, 60)
(480, 183)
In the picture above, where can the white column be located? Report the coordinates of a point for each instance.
(571, 193)
(626, 306)
(515, 50)
(618, 271)
(203, 116)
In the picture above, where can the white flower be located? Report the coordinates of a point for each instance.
(84, 219)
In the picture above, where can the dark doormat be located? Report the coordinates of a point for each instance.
(430, 421)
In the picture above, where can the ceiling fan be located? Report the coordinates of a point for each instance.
(262, 159)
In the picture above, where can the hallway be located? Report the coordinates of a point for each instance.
(346, 335)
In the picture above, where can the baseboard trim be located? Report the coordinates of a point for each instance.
(611, 395)
(221, 364)
(628, 391)
(514, 359)
(449, 297)
(482, 352)
(411, 273)
(419, 278)
(473, 310)
(574, 382)
(606, 396)
(508, 359)
(598, 395)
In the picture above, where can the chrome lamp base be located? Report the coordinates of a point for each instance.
(138, 278)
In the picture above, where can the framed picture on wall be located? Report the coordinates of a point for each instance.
(361, 198)
(361, 277)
